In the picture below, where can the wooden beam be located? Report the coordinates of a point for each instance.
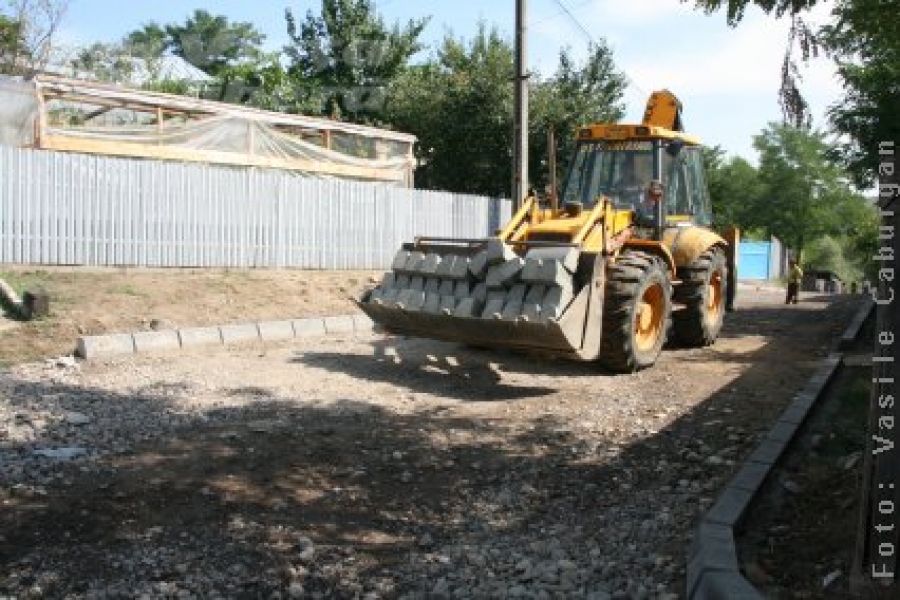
(71, 88)
(41, 120)
(96, 113)
(127, 149)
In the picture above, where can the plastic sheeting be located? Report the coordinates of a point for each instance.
(18, 109)
(240, 136)
(86, 111)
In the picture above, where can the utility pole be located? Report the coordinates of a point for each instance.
(520, 119)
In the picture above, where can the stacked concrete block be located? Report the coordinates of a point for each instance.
(400, 260)
(462, 289)
(498, 252)
(459, 268)
(478, 265)
(493, 307)
(504, 274)
(515, 301)
(568, 257)
(494, 283)
(555, 302)
(410, 299)
(534, 300)
(432, 303)
(432, 285)
(429, 265)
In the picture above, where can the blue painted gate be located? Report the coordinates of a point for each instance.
(753, 260)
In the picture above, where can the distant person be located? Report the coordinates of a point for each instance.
(795, 276)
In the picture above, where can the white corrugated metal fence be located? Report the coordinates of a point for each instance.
(76, 209)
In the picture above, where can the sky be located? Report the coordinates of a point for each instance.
(727, 78)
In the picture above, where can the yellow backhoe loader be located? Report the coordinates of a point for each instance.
(621, 260)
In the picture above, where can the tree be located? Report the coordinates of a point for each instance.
(865, 41)
(735, 190)
(804, 195)
(864, 37)
(209, 42)
(460, 107)
(111, 63)
(10, 43)
(346, 56)
(28, 34)
(459, 104)
(573, 96)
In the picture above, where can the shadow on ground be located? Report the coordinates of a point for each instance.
(235, 499)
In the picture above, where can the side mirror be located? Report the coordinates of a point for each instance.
(674, 147)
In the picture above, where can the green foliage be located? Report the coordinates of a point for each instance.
(735, 8)
(459, 104)
(460, 107)
(803, 192)
(827, 254)
(107, 62)
(735, 190)
(28, 30)
(209, 42)
(10, 43)
(344, 57)
(865, 40)
(798, 195)
(574, 96)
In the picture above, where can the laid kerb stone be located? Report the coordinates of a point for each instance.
(273, 331)
(100, 346)
(308, 327)
(199, 336)
(339, 324)
(241, 332)
(156, 341)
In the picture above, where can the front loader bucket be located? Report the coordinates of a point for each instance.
(490, 297)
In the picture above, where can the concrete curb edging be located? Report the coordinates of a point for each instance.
(124, 344)
(713, 571)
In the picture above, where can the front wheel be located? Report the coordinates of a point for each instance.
(636, 315)
(704, 294)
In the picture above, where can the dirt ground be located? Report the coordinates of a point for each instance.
(800, 538)
(95, 301)
(360, 466)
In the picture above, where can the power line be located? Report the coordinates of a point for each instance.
(588, 35)
(559, 13)
(575, 20)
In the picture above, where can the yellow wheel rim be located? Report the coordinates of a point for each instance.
(714, 295)
(648, 323)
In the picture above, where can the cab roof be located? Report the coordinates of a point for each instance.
(623, 132)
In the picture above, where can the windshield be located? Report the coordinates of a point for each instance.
(620, 170)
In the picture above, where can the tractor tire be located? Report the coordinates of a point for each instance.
(704, 294)
(638, 306)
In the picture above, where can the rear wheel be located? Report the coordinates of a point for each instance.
(636, 314)
(704, 294)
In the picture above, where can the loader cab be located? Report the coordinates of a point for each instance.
(622, 170)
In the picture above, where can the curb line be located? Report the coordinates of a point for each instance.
(143, 342)
(713, 572)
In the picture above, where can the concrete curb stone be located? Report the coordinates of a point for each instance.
(341, 324)
(713, 572)
(156, 341)
(241, 332)
(275, 331)
(104, 346)
(122, 344)
(199, 336)
(308, 327)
